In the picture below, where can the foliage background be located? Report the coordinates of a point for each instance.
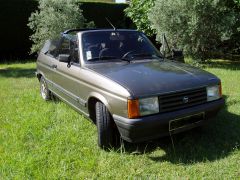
(203, 28)
(14, 15)
(98, 11)
(138, 11)
(52, 18)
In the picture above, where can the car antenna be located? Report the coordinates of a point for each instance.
(111, 24)
(165, 45)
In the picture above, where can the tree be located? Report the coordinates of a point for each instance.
(52, 18)
(138, 12)
(197, 26)
(234, 42)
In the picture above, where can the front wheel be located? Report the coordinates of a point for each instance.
(44, 91)
(107, 133)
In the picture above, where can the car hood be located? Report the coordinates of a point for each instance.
(154, 77)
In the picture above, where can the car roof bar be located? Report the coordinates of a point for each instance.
(89, 29)
(78, 30)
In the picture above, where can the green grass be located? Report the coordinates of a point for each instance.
(49, 140)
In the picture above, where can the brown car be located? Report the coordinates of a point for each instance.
(121, 82)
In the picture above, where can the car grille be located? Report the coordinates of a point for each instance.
(181, 100)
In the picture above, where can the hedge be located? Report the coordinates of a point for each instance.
(14, 14)
(98, 12)
(15, 43)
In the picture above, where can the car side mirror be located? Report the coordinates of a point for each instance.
(63, 58)
(177, 55)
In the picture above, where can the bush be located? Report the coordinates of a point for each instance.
(52, 18)
(138, 12)
(105, 1)
(233, 45)
(198, 27)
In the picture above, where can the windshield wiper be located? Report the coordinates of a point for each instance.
(142, 55)
(125, 59)
(146, 55)
(102, 58)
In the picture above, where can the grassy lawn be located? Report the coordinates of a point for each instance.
(46, 140)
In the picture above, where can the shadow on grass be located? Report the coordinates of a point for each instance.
(214, 141)
(17, 72)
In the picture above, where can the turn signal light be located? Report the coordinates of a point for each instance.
(133, 109)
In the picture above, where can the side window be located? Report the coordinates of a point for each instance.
(65, 47)
(74, 56)
(50, 47)
(69, 47)
(53, 48)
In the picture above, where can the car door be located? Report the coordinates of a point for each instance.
(46, 61)
(67, 75)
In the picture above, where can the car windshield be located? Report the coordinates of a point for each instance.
(117, 45)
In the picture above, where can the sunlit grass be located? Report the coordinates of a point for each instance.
(50, 140)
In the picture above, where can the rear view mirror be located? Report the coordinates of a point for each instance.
(64, 58)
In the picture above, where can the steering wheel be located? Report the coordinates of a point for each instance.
(102, 51)
(127, 54)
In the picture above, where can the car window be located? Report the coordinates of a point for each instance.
(74, 52)
(69, 46)
(50, 47)
(64, 47)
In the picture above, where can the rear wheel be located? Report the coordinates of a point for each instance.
(44, 91)
(108, 135)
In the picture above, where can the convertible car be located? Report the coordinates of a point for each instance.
(120, 81)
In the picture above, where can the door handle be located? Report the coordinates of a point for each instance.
(54, 66)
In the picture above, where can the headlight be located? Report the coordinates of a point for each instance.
(148, 106)
(142, 107)
(214, 92)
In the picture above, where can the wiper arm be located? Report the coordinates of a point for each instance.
(125, 59)
(142, 55)
(102, 58)
(148, 55)
(107, 57)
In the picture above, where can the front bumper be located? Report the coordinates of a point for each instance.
(151, 127)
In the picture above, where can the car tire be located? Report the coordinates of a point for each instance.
(44, 91)
(108, 135)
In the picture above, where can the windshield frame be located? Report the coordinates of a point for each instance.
(117, 59)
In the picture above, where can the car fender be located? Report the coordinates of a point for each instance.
(101, 98)
(39, 73)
